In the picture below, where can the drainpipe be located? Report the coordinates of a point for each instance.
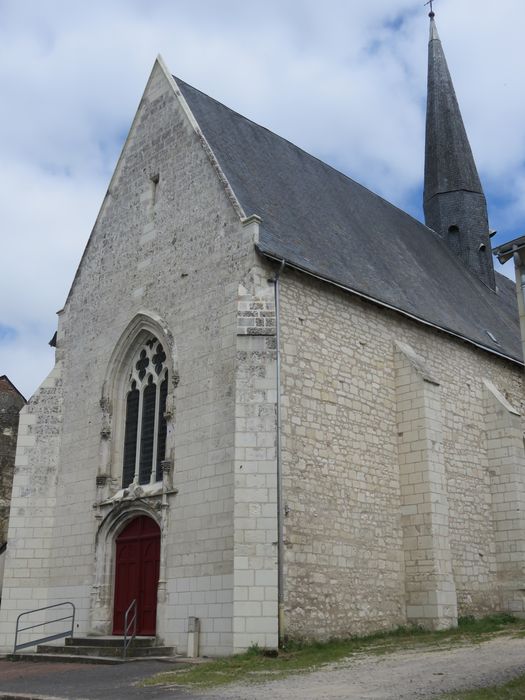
(520, 274)
(280, 510)
(515, 250)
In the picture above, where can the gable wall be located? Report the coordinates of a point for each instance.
(345, 569)
(180, 259)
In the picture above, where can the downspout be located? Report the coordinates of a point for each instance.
(520, 272)
(280, 511)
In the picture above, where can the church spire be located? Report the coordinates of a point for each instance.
(454, 202)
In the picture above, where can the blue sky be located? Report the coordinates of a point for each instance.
(344, 79)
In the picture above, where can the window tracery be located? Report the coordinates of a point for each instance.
(145, 425)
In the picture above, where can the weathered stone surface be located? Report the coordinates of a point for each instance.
(430, 592)
(173, 259)
(345, 561)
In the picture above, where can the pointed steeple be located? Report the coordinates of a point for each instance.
(454, 202)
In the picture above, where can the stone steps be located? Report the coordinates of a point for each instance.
(99, 650)
(65, 658)
(109, 641)
(109, 651)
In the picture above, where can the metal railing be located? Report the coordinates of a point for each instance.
(48, 638)
(130, 624)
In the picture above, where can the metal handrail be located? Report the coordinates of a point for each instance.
(59, 635)
(128, 624)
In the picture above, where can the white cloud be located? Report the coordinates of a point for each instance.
(344, 79)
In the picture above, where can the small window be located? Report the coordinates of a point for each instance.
(154, 181)
(145, 428)
(453, 229)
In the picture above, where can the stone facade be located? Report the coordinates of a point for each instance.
(402, 451)
(11, 401)
(170, 249)
(403, 475)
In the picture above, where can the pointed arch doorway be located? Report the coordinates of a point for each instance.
(137, 557)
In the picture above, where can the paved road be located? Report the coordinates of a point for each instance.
(83, 681)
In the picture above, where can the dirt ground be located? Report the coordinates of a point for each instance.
(409, 675)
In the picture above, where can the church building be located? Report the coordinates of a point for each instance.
(280, 404)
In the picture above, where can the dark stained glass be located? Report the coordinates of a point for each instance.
(147, 433)
(161, 437)
(141, 365)
(158, 358)
(130, 438)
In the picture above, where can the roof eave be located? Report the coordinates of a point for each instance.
(386, 305)
(506, 251)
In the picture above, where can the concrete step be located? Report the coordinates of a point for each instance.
(109, 641)
(65, 658)
(106, 650)
(99, 650)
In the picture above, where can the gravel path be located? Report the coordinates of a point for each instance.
(409, 675)
(403, 675)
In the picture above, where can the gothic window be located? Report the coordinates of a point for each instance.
(145, 428)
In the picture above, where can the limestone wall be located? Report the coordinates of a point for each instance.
(255, 524)
(30, 534)
(168, 246)
(345, 553)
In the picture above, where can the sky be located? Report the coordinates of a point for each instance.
(343, 79)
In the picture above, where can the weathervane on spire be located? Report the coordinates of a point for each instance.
(431, 14)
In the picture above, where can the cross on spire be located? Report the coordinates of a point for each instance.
(431, 13)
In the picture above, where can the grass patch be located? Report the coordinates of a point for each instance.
(488, 624)
(513, 690)
(296, 656)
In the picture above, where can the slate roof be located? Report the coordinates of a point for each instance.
(7, 387)
(325, 223)
(449, 163)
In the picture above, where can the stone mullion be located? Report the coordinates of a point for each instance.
(155, 435)
(139, 435)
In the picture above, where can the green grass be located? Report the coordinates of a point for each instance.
(300, 656)
(513, 690)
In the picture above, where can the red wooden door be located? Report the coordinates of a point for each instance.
(137, 574)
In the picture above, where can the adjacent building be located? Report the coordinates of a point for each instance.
(11, 401)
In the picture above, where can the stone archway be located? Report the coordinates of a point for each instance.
(115, 522)
(137, 560)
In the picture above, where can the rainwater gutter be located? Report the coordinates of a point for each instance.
(391, 307)
(516, 250)
(280, 504)
(519, 265)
